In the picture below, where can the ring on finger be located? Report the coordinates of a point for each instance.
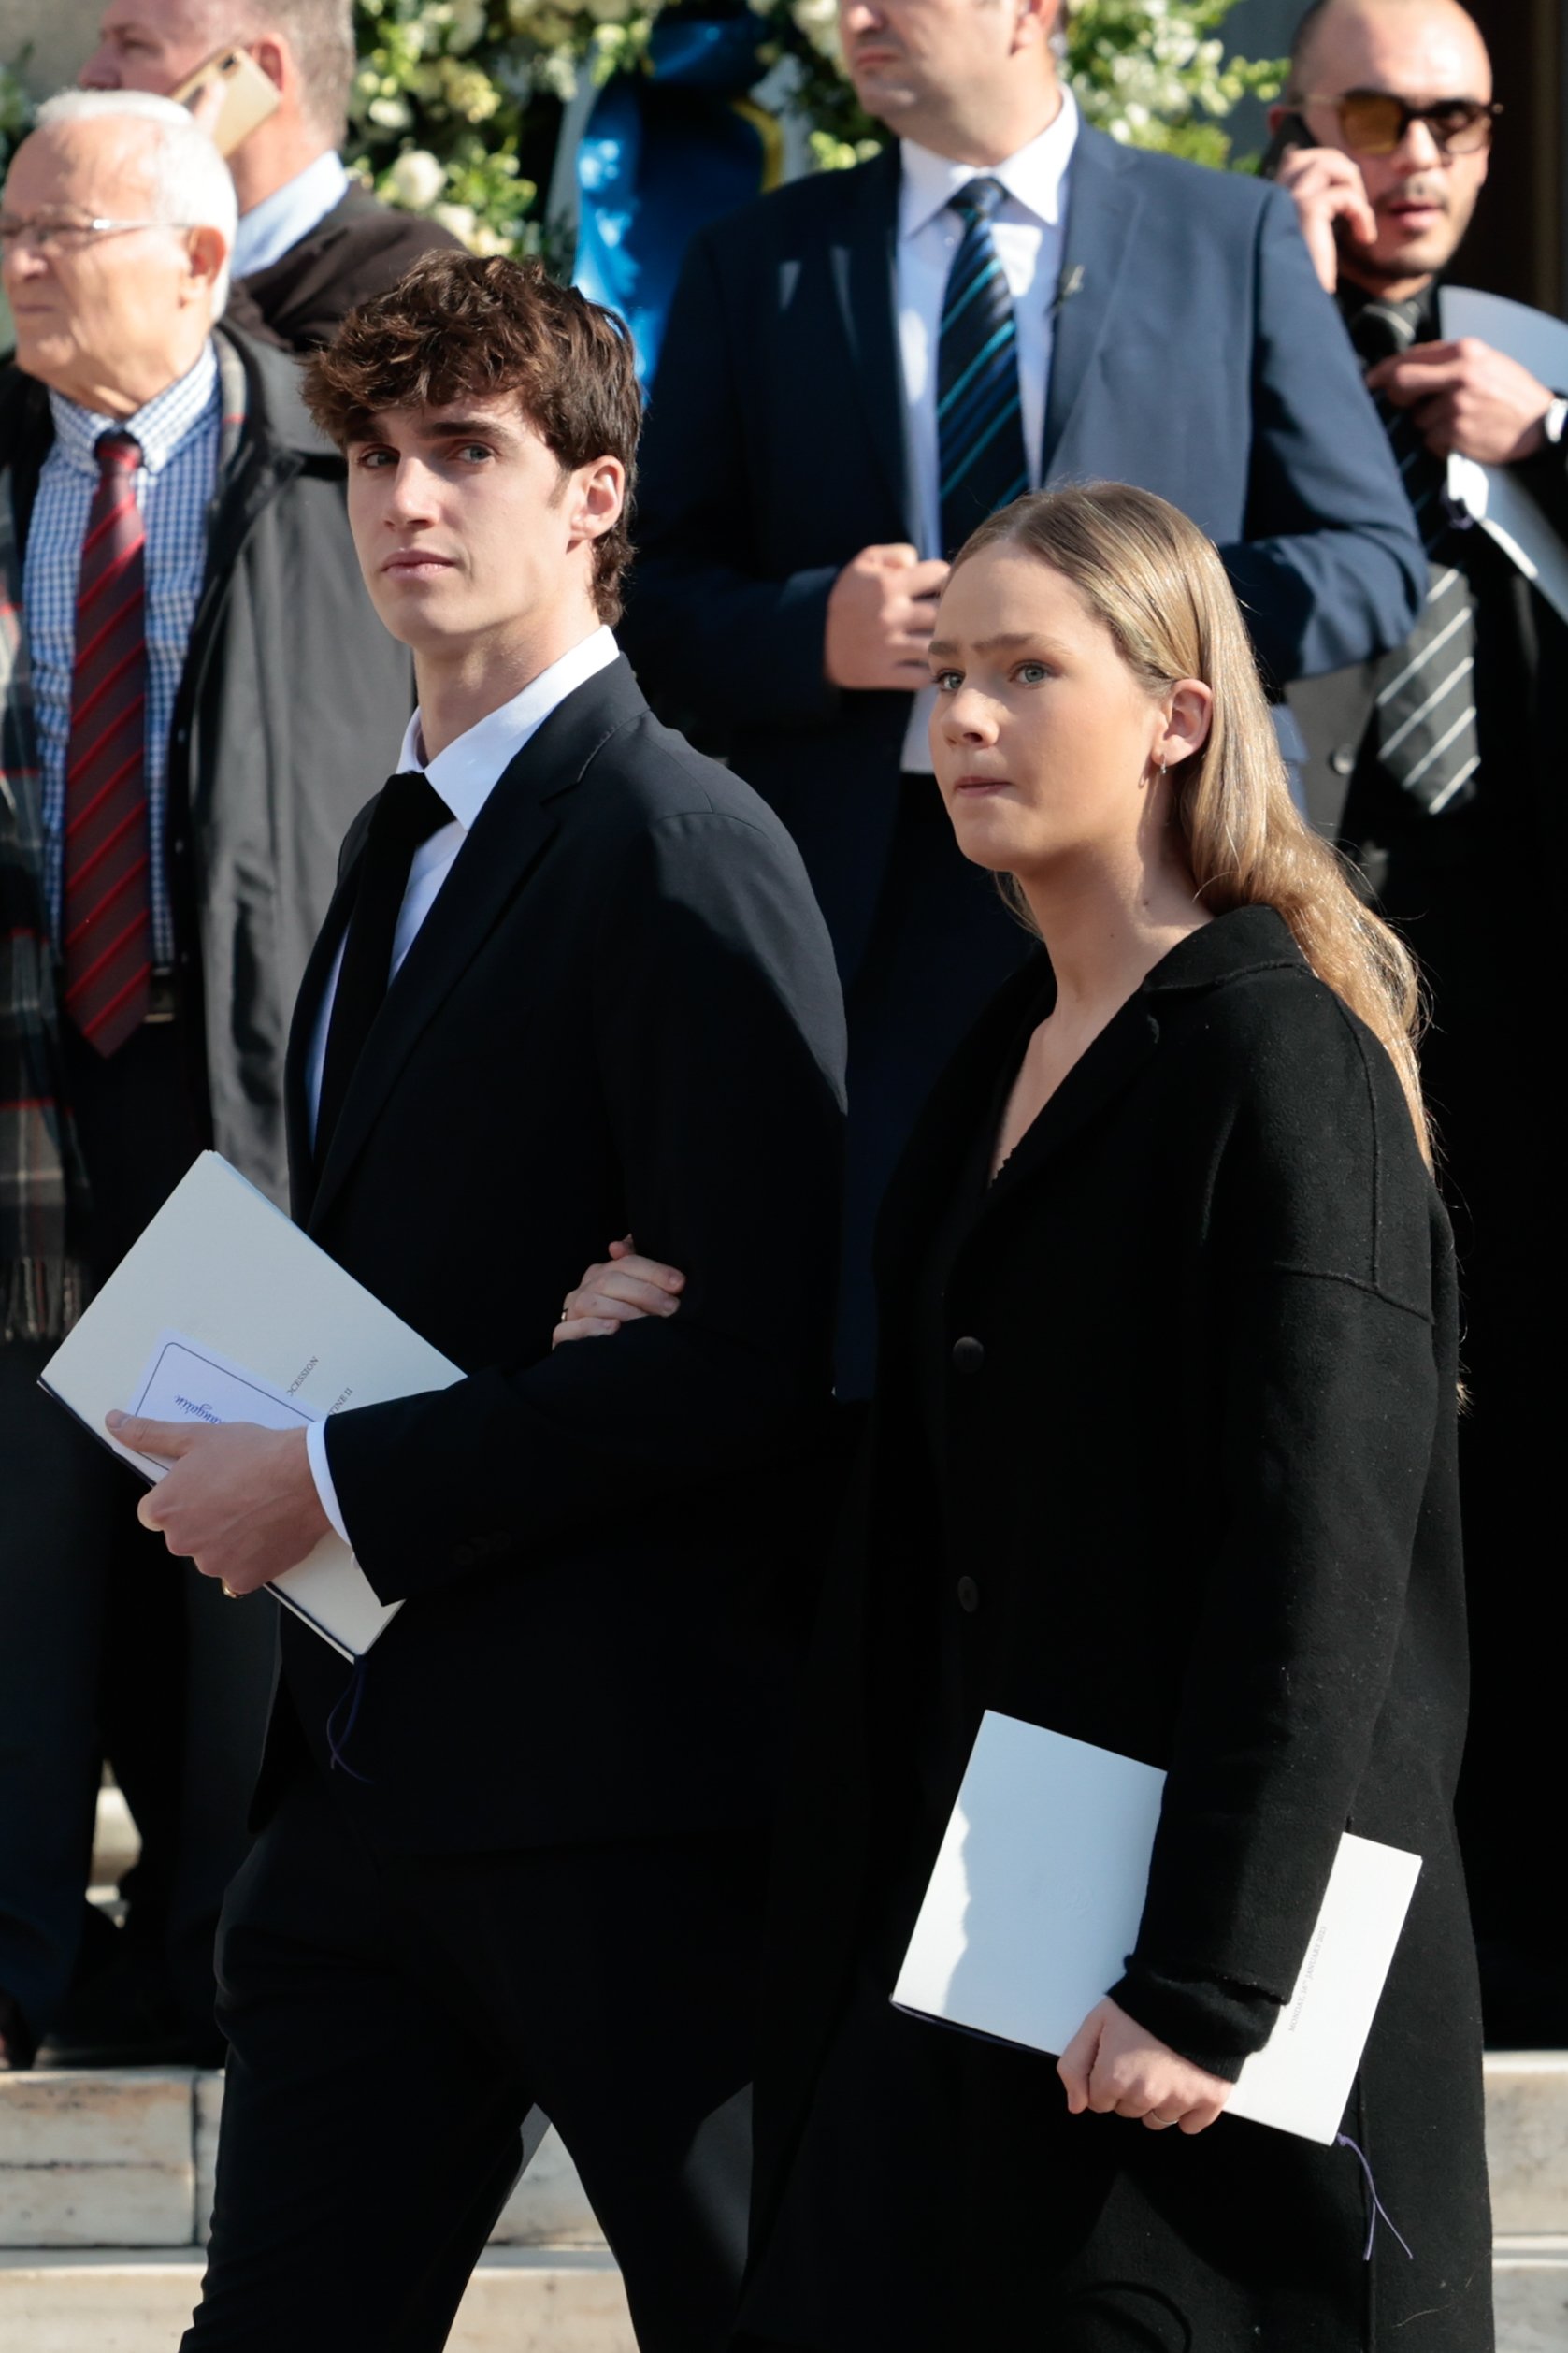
(1162, 2124)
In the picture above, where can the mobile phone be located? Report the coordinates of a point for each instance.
(249, 97)
(1292, 132)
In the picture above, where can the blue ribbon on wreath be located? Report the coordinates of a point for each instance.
(667, 148)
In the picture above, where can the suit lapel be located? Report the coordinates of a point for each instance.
(302, 1031)
(1102, 206)
(863, 260)
(495, 863)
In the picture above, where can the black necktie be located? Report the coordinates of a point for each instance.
(981, 461)
(1425, 711)
(408, 813)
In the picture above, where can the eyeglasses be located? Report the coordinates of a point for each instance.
(54, 238)
(1375, 122)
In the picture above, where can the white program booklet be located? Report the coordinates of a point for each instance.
(1036, 1893)
(1494, 496)
(226, 1311)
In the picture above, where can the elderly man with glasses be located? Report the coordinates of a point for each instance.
(1441, 769)
(194, 698)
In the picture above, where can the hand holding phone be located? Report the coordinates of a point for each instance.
(229, 96)
(1326, 189)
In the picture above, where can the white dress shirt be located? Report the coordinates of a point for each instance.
(463, 776)
(270, 228)
(1027, 229)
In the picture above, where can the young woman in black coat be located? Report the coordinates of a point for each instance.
(1162, 1457)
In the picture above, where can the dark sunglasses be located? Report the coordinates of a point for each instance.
(1374, 122)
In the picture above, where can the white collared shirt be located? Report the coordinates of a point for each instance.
(270, 228)
(1026, 228)
(463, 776)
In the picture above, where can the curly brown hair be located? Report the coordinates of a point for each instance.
(458, 325)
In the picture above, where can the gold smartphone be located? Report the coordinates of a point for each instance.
(249, 97)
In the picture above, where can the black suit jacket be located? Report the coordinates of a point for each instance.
(621, 1013)
(362, 248)
(1197, 356)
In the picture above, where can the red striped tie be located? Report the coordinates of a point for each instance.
(107, 918)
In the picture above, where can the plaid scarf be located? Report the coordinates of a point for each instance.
(43, 1185)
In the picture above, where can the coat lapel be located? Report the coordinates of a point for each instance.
(1102, 207)
(1101, 1074)
(495, 863)
(863, 262)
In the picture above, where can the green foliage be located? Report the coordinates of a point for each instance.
(15, 110)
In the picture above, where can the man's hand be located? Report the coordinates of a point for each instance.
(1326, 188)
(881, 612)
(239, 1500)
(1466, 399)
(1114, 2067)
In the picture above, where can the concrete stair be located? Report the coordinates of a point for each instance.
(105, 2184)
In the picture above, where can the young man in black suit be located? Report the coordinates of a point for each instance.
(611, 1004)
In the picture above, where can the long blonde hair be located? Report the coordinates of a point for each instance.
(1159, 587)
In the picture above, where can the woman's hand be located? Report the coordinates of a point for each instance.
(620, 1291)
(1114, 2067)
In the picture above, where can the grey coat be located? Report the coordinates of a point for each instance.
(290, 712)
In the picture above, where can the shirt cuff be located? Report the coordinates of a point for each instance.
(315, 1450)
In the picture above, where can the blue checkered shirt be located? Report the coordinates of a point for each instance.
(179, 432)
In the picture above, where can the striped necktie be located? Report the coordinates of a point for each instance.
(1425, 711)
(108, 923)
(982, 462)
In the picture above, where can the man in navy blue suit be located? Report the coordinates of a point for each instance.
(860, 366)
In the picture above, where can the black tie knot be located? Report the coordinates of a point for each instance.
(977, 200)
(410, 809)
(1382, 330)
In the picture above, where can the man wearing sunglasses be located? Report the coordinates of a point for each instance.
(1440, 769)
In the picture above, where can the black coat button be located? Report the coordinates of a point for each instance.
(967, 1356)
(968, 1595)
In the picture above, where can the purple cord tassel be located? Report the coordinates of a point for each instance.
(337, 1741)
(1379, 2212)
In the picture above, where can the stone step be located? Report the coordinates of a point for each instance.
(528, 2299)
(1531, 2294)
(106, 2185)
(124, 2158)
(519, 2301)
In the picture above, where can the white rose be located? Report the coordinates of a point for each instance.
(461, 219)
(467, 25)
(392, 114)
(417, 178)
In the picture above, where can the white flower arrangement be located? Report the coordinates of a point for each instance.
(457, 103)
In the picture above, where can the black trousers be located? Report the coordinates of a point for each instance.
(942, 945)
(392, 2019)
(108, 1646)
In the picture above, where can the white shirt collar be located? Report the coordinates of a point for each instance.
(467, 772)
(161, 425)
(1033, 177)
(270, 228)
